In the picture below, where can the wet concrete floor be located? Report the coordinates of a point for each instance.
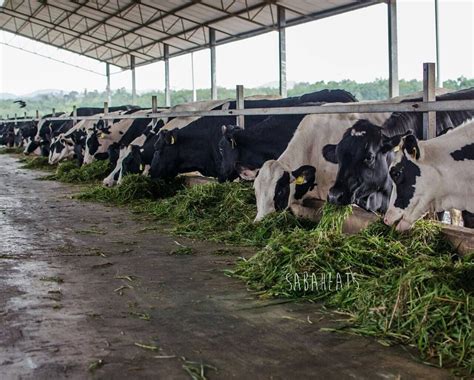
(91, 291)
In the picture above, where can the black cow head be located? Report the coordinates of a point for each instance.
(228, 151)
(363, 155)
(164, 163)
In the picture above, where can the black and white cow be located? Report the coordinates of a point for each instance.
(69, 144)
(431, 176)
(245, 150)
(364, 153)
(196, 146)
(46, 131)
(302, 170)
(105, 140)
(138, 155)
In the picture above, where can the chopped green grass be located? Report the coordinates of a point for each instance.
(133, 187)
(11, 150)
(38, 162)
(220, 212)
(69, 172)
(401, 288)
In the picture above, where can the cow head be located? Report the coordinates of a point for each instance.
(228, 151)
(276, 187)
(363, 155)
(60, 149)
(165, 159)
(95, 147)
(411, 195)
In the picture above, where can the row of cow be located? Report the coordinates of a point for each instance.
(373, 160)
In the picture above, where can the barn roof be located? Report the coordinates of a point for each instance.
(113, 30)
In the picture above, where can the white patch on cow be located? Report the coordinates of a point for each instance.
(443, 184)
(305, 148)
(357, 133)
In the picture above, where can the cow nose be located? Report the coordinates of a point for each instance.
(335, 196)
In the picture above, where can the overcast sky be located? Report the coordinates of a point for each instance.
(348, 46)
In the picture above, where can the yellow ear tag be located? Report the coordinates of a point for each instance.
(299, 180)
(142, 167)
(396, 149)
(102, 135)
(172, 140)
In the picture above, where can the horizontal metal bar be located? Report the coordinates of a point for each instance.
(448, 105)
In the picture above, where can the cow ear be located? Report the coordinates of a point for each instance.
(410, 145)
(329, 153)
(303, 175)
(393, 143)
(247, 174)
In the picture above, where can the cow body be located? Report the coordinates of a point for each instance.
(196, 146)
(433, 175)
(364, 154)
(290, 179)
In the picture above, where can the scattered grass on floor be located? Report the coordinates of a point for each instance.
(182, 251)
(56, 279)
(38, 162)
(133, 187)
(197, 370)
(69, 172)
(11, 150)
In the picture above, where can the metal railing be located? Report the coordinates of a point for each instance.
(427, 106)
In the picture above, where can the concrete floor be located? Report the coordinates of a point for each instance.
(121, 287)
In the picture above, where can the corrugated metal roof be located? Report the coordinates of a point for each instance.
(112, 30)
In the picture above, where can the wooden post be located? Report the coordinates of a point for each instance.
(239, 91)
(15, 119)
(429, 95)
(74, 115)
(25, 114)
(37, 115)
(154, 106)
(54, 113)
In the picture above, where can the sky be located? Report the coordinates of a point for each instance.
(348, 46)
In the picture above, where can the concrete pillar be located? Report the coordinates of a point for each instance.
(393, 85)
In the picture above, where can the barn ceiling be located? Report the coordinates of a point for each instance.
(113, 30)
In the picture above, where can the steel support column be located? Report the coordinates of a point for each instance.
(282, 51)
(134, 85)
(393, 86)
(212, 46)
(167, 75)
(429, 95)
(439, 83)
(107, 88)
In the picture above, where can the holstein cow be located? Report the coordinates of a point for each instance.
(47, 130)
(364, 153)
(302, 171)
(433, 175)
(245, 150)
(70, 144)
(196, 146)
(138, 155)
(104, 140)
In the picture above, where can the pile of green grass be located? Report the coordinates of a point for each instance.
(132, 188)
(220, 212)
(11, 150)
(400, 288)
(70, 172)
(38, 162)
